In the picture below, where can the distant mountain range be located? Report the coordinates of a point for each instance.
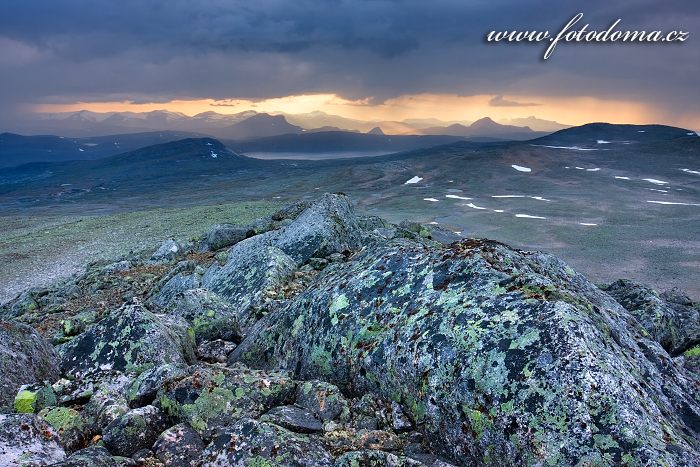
(536, 124)
(193, 157)
(251, 124)
(259, 126)
(282, 137)
(245, 132)
(484, 128)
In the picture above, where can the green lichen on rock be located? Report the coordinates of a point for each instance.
(670, 317)
(211, 397)
(62, 418)
(69, 425)
(136, 429)
(131, 339)
(210, 316)
(33, 398)
(263, 444)
(500, 356)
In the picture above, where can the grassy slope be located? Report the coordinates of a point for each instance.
(36, 250)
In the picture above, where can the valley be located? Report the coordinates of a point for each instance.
(598, 196)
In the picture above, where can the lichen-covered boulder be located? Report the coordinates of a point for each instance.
(145, 457)
(103, 408)
(670, 318)
(68, 424)
(291, 211)
(27, 440)
(256, 268)
(25, 358)
(399, 421)
(691, 360)
(167, 251)
(145, 387)
(212, 397)
(324, 399)
(24, 303)
(107, 383)
(131, 339)
(216, 351)
(500, 356)
(210, 316)
(178, 446)
(369, 412)
(135, 430)
(328, 226)
(224, 235)
(368, 458)
(294, 418)
(94, 456)
(177, 284)
(253, 270)
(255, 443)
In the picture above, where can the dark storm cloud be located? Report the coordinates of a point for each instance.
(155, 50)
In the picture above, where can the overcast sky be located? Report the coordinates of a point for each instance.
(63, 51)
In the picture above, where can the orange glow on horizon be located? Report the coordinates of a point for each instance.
(445, 107)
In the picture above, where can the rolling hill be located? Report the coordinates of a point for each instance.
(18, 149)
(339, 142)
(593, 135)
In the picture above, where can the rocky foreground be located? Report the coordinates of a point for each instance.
(320, 337)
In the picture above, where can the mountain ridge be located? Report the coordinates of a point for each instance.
(87, 123)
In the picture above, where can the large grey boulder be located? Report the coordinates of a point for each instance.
(328, 226)
(135, 430)
(210, 315)
(670, 318)
(254, 270)
(144, 388)
(167, 251)
(130, 339)
(257, 267)
(25, 358)
(178, 446)
(501, 357)
(224, 235)
(176, 285)
(252, 442)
